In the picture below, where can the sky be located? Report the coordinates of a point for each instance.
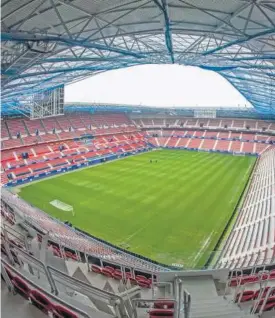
(157, 85)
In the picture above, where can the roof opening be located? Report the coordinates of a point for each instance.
(157, 85)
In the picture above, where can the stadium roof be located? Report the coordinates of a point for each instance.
(47, 43)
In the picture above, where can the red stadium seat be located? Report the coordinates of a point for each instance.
(163, 304)
(128, 274)
(21, 287)
(107, 272)
(56, 251)
(110, 268)
(40, 301)
(144, 283)
(270, 304)
(141, 277)
(71, 256)
(246, 296)
(265, 291)
(164, 313)
(96, 269)
(62, 312)
(117, 274)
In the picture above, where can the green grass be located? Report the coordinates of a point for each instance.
(172, 211)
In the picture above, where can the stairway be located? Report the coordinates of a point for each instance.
(44, 127)
(205, 302)
(5, 124)
(26, 127)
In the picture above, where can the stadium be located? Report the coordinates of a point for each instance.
(130, 211)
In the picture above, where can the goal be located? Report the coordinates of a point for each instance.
(236, 153)
(63, 206)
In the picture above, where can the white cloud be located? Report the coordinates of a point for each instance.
(157, 85)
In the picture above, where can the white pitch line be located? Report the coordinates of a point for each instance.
(204, 246)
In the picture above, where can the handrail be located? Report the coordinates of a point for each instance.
(36, 262)
(55, 298)
(270, 291)
(66, 280)
(262, 284)
(53, 275)
(259, 299)
(187, 304)
(86, 289)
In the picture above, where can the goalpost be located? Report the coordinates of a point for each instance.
(236, 153)
(63, 206)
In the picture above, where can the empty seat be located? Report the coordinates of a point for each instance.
(71, 255)
(40, 301)
(117, 274)
(107, 272)
(21, 287)
(163, 304)
(144, 283)
(161, 313)
(63, 312)
(246, 296)
(270, 304)
(96, 269)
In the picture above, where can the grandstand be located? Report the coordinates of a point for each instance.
(51, 268)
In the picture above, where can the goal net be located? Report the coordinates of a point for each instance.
(62, 206)
(236, 153)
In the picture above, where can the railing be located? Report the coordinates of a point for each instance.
(56, 280)
(5, 264)
(260, 310)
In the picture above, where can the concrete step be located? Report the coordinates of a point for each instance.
(200, 287)
(205, 302)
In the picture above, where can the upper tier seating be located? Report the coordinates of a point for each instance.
(76, 121)
(64, 122)
(11, 143)
(49, 137)
(4, 130)
(50, 124)
(16, 126)
(233, 124)
(80, 122)
(33, 126)
(31, 140)
(210, 140)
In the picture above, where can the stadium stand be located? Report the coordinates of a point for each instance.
(51, 269)
(106, 268)
(252, 238)
(108, 271)
(232, 124)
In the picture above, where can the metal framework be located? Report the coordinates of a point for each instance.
(47, 43)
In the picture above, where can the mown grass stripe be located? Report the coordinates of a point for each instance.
(165, 210)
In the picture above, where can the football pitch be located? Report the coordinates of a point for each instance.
(172, 210)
